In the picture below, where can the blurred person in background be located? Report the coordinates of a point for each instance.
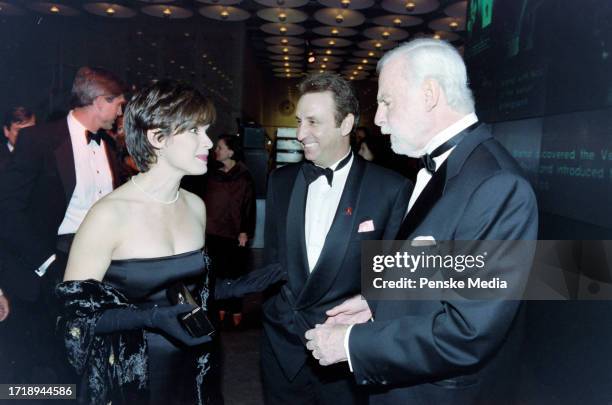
(56, 173)
(230, 202)
(14, 120)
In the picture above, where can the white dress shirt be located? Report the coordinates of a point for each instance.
(10, 147)
(321, 205)
(423, 177)
(94, 178)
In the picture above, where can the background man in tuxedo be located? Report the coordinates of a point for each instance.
(447, 352)
(14, 120)
(57, 172)
(317, 213)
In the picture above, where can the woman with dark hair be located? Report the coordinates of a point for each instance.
(136, 246)
(136, 284)
(357, 137)
(230, 201)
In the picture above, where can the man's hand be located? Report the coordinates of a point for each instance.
(326, 342)
(5, 308)
(243, 238)
(354, 310)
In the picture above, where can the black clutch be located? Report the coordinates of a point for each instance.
(195, 322)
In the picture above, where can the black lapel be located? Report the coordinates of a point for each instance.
(479, 133)
(434, 190)
(297, 261)
(337, 239)
(64, 159)
(424, 203)
(5, 155)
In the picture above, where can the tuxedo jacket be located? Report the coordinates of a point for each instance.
(454, 352)
(35, 189)
(5, 156)
(370, 193)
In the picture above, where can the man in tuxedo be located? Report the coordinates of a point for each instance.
(317, 213)
(57, 172)
(469, 189)
(14, 120)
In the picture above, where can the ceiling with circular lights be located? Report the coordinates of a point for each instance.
(289, 36)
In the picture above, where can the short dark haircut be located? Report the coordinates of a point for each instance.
(91, 82)
(170, 108)
(342, 91)
(16, 115)
(234, 144)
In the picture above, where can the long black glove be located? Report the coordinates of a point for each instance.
(254, 281)
(164, 319)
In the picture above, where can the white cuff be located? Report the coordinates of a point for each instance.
(346, 346)
(43, 267)
(1, 292)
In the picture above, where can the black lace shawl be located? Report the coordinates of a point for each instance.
(113, 366)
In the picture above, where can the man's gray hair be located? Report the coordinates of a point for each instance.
(91, 82)
(426, 58)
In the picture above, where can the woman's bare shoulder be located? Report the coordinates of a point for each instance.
(113, 210)
(194, 202)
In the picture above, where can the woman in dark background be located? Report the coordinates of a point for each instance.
(377, 149)
(358, 136)
(373, 149)
(230, 207)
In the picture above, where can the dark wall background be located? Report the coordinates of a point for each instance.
(541, 71)
(541, 74)
(39, 56)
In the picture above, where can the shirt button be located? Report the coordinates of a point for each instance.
(98, 171)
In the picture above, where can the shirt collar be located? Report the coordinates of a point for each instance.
(75, 125)
(333, 166)
(451, 131)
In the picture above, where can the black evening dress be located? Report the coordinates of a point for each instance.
(176, 374)
(141, 366)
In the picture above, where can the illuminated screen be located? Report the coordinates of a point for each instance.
(541, 71)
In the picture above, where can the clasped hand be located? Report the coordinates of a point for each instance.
(326, 342)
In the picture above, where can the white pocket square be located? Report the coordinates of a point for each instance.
(423, 241)
(366, 226)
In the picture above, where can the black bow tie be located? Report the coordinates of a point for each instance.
(96, 137)
(312, 172)
(427, 161)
